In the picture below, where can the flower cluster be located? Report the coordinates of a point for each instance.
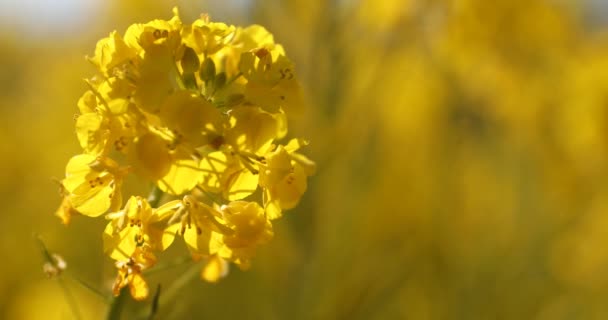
(197, 109)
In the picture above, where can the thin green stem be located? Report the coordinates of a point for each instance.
(116, 305)
(180, 283)
(154, 307)
(210, 196)
(87, 286)
(248, 163)
(45, 252)
(170, 293)
(168, 265)
(69, 297)
(213, 214)
(233, 79)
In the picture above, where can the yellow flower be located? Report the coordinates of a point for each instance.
(240, 179)
(156, 35)
(139, 225)
(255, 37)
(92, 133)
(250, 228)
(271, 84)
(249, 224)
(93, 184)
(201, 225)
(233, 170)
(206, 37)
(283, 178)
(191, 117)
(214, 269)
(130, 274)
(114, 95)
(108, 120)
(65, 211)
(158, 156)
(112, 52)
(87, 102)
(195, 109)
(228, 173)
(253, 130)
(156, 78)
(232, 232)
(213, 164)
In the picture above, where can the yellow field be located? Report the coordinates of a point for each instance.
(461, 150)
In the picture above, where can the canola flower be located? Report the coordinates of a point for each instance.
(198, 110)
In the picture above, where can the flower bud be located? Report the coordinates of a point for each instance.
(220, 80)
(208, 70)
(190, 62)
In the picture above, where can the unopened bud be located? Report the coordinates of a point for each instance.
(208, 70)
(220, 80)
(190, 62)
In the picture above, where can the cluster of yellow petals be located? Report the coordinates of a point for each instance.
(198, 110)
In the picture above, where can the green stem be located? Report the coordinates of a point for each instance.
(87, 286)
(154, 307)
(210, 196)
(71, 300)
(173, 290)
(116, 305)
(179, 284)
(45, 252)
(165, 266)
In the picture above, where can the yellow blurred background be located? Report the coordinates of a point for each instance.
(462, 148)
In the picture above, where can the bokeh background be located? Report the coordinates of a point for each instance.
(462, 148)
